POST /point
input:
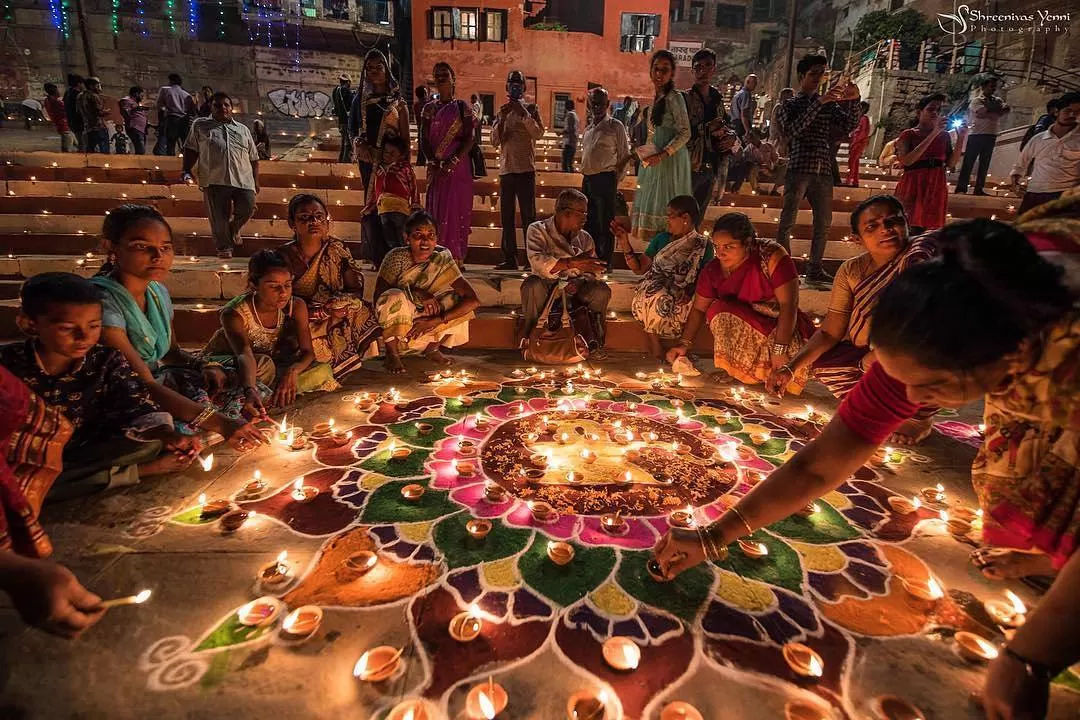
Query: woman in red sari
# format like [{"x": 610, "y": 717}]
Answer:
[
  {"x": 988, "y": 319},
  {"x": 924, "y": 151},
  {"x": 749, "y": 293},
  {"x": 32, "y": 435}
]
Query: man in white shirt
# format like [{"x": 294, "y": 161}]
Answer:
[
  {"x": 223, "y": 156},
  {"x": 985, "y": 115},
  {"x": 605, "y": 154},
  {"x": 559, "y": 248},
  {"x": 1056, "y": 153},
  {"x": 175, "y": 108}
]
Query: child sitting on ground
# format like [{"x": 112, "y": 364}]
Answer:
[
  {"x": 391, "y": 200},
  {"x": 119, "y": 431},
  {"x": 265, "y": 337}
]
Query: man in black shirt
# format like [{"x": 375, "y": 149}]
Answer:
[
  {"x": 342, "y": 100},
  {"x": 709, "y": 140},
  {"x": 71, "y": 98}
]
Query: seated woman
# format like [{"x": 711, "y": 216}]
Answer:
[
  {"x": 988, "y": 319},
  {"x": 839, "y": 351},
  {"x": 137, "y": 315},
  {"x": 421, "y": 299},
  {"x": 325, "y": 276},
  {"x": 670, "y": 266},
  {"x": 750, "y": 295},
  {"x": 264, "y": 337}
]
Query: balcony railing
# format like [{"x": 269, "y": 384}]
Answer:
[{"x": 345, "y": 11}]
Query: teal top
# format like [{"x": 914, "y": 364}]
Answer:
[
  {"x": 663, "y": 239},
  {"x": 150, "y": 333}
]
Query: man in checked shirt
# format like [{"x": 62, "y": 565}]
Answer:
[{"x": 809, "y": 119}]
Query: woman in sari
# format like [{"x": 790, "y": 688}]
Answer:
[
  {"x": 670, "y": 266},
  {"x": 446, "y": 134},
  {"x": 326, "y": 277},
  {"x": 750, "y": 296},
  {"x": 378, "y": 111},
  {"x": 265, "y": 338},
  {"x": 665, "y": 171},
  {"x": 987, "y": 319},
  {"x": 421, "y": 299},
  {"x": 137, "y": 316},
  {"x": 839, "y": 351}
]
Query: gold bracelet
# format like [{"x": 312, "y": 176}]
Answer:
[
  {"x": 738, "y": 514},
  {"x": 201, "y": 417}
]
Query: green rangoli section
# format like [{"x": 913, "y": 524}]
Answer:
[
  {"x": 683, "y": 597},
  {"x": 781, "y": 567},
  {"x": 383, "y": 464},
  {"x": 824, "y": 527},
  {"x": 568, "y": 583},
  {"x": 192, "y": 516},
  {"x": 387, "y": 506},
  {"x": 232, "y": 632},
  {"x": 509, "y": 395},
  {"x": 462, "y": 550},
  {"x": 408, "y": 432}
]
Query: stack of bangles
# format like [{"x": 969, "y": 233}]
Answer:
[
  {"x": 202, "y": 417},
  {"x": 712, "y": 541}
]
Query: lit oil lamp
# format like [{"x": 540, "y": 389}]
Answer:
[
  {"x": 296, "y": 439},
  {"x": 466, "y": 626},
  {"x": 973, "y": 648},
  {"x": 414, "y": 709},
  {"x": 682, "y": 518},
  {"x": 752, "y": 549},
  {"x": 541, "y": 511},
  {"x": 423, "y": 428},
  {"x": 466, "y": 448},
  {"x": 256, "y": 485},
  {"x": 929, "y": 589},
  {"x": 613, "y": 523},
  {"x": 259, "y": 612},
  {"x": 890, "y": 707},
  {"x": 803, "y": 660},
  {"x": 621, "y": 653},
  {"x": 572, "y": 478},
  {"x": 302, "y": 623},
  {"x": 935, "y": 495},
  {"x": 360, "y": 562},
  {"x": 956, "y": 526},
  {"x": 588, "y": 456},
  {"x": 323, "y": 428},
  {"x": 902, "y": 505},
  {"x": 615, "y": 392},
  {"x": 587, "y": 705},
  {"x": 680, "y": 710},
  {"x": 494, "y": 493},
  {"x": 478, "y": 528},
  {"x": 463, "y": 468},
  {"x": 486, "y": 700},
  {"x": 283, "y": 429},
  {"x": 632, "y": 407},
  {"x": 465, "y": 400},
  {"x": 214, "y": 508},
  {"x": 340, "y": 438},
  {"x": 479, "y": 421},
  {"x": 303, "y": 493},
  {"x": 560, "y": 553},
  {"x": 231, "y": 521},
  {"x": 412, "y": 492},
  {"x": 680, "y": 448},
  {"x": 378, "y": 664},
  {"x": 398, "y": 453},
  {"x": 207, "y": 462},
  {"x": 760, "y": 437},
  {"x": 626, "y": 477},
  {"x": 278, "y": 571},
  {"x": 1009, "y": 613},
  {"x": 539, "y": 460}
]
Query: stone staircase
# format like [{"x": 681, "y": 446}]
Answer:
[{"x": 53, "y": 205}]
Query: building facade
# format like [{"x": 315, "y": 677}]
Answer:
[
  {"x": 745, "y": 34},
  {"x": 564, "y": 47}
]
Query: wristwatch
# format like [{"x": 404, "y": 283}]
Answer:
[{"x": 1034, "y": 669}]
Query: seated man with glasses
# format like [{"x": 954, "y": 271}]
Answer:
[{"x": 559, "y": 248}]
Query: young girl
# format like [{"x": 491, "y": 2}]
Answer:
[
  {"x": 137, "y": 315},
  {"x": 265, "y": 337},
  {"x": 393, "y": 196},
  {"x": 262, "y": 139}
]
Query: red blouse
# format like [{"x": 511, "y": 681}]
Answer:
[
  {"x": 748, "y": 284},
  {"x": 876, "y": 406}
]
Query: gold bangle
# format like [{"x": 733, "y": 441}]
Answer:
[
  {"x": 738, "y": 514},
  {"x": 201, "y": 417}
]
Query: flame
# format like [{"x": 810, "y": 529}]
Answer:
[
  {"x": 330, "y": 422},
  {"x": 617, "y": 424},
  {"x": 207, "y": 462},
  {"x": 631, "y": 655},
  {"x": 393, "y": 446},
  {"x": 282, "y": 556},
  {"x": 935, "y": 589},
  {"x": 283, "y": 427},
  {"x": 675, "y": 447},
  {"x": 940, "y": 488},
  {"x": 1018, "y": 605},
  {"x": 202, "y": 499},
  {"x": 629, "y": 435},
  {"x": 809, "y": 411},
  {"x": 979, "y": 513},
  {"x": 916, "y": 502},
  {"x": 585, "y": 453},
  {"x": 258, "y": 475},
  {"x": 728, "y": 453},
  {"x": 816, "y": 669},
  {"x": 888, "y": 452},
  {"x": 628, "y": 476},
  {"x": 298, "y": 486},
  {"x": 290, "y": 621},
  {"x": 601, "y": 697},
  {"x": 409, "y": 715},
  {"x": 453, "y": 464},
  {"x": 565, "y": 437},
  {"x": 486, "y": 706},
  {"x": 944, "y": 515},
  {"x": 762, "y": 549},
  {"x": 986, "y": 648},
  {"x": 361, "y": 665},
  {"x": 144, "y": 595}
]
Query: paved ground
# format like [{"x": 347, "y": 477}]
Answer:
[{"x": 831, "y": 580}]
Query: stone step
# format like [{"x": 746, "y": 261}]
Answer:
[{"x": 211, "y": 280}]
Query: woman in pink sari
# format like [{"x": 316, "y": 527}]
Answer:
[{"x": 446, "y": 132}]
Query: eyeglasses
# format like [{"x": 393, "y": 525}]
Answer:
[{"x": 317, "y": 217}]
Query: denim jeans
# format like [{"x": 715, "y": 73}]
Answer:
[
  {"x": 138, "y": 141},
  {"x": 817, "y": 189},
  {"x": 229, "y": 209},
  {"x": 97, "y": 141}
]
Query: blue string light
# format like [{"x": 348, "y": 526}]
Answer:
[
  {"x": 193, "y": 17},
  {"x": 58, "y": 17}
]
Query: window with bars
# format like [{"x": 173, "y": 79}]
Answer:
[
  {"x": 639, "y": 32},
  {"x": 442, "y": 24},
  {"x": 731, "y": 16}
]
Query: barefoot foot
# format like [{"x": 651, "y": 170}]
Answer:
[
  {"x": 394, "y": 365},
  {"x": 164, "y": 464},
  {"x": 1004, "y": 563},
  {"x": 438, "y": 357}
]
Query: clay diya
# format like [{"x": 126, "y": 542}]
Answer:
[
  {"x": 807, "y": 510},
  {"x": 359, "y": 563},
  {"x": 494, "y": 493},
  {"x": 680, "y": 448},
  {"x": 973, "y": 648},
  {"x": 412, "y": 492},
  {"x": 517, "y": 373},
  {"x": 625, "y": 478},
  {"x": 653, "y": 568},
  {"x": 799, "y": 710},
  {"x": 901, "y": 504},
  {"x": 760, "y": 437},
  {"x": 466, "y": 626},
  {"x": 214, "y": 508},
  {"x": 588, "y": 456},
  {"x": 480, "y": 422},
  {"x": 477, "y": 528},
  {"x": 378, "y": 664},
  {"x": 298, "y": 442},
  {"x": 466, "y": 448},
  {"x": 486, "y": 701},
  {"x": 340, "y": 438},
  {"x": 533, "y": 474},
  {"x": 803, "y": 660},
  {"x": 1009, "y": 613},
  {"x": 890, "y": 707},
  {"x": 323, "y": 428},
  {"x": 752, "y": 549},
  {"x": 681, "y": 518},
  {"x": 632, "y": 407},
  {"x": 560, "y": 553},
  {"x": 398, "y": 453},
  {"x": 541, "y": 511},
  {"x": 621, "y": 653},
  {"x": 516, "y": 409},
  {"x": 411, "y": 710},
  {"x": 521, "y": 390},
  {"x": 255, "y": 486},
  {"x": 963, "y": 513},
  {"x": 957, "y": 526},
  {"x": 929, "y": 589},
  {"x": 680, "y": 710},
  {"x": 587, "y": 705},
  {"x": 231, "y": 521},
  {"x": 934, "y": 494},
  {"x": 277, "y": 571},
  {"x": 303, "y": 493},
  {"x": 613, "y": 523},
  {"x": 464, "y": 468},
  {"x": 256, "y": 613},
  {"x": 465, "y": 401},
  {"x": 302, "y": 622},
  {"x": 539, "y": 460},
  {"x": 615, "y": 392}
]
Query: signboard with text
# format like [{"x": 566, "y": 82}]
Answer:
[{"x": 684, "y": 51}]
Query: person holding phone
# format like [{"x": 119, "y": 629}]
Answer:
[{"x": 925, "y": 151}]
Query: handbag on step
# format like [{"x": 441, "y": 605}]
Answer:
[{"x": 555, "y": 343}]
